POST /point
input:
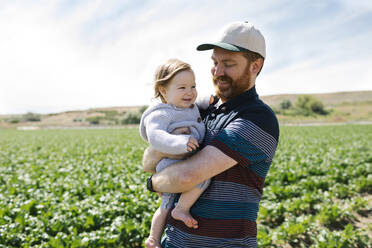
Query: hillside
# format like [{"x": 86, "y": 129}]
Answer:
[
  {"x": 329, "y": 99},
  {"x": 343, "y": 107}
]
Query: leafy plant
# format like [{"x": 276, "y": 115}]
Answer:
[{"x": 85, "y": 188}]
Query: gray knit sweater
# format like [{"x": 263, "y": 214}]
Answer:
[{"x": 160, "y": 119}]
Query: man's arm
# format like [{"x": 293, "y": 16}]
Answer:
[
  {"x": 150, "y": 159},
  {"x": 184, "y": 175}
]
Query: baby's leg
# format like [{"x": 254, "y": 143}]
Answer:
[
  {"x": 182, "y": 209},
  {"x": 157, "y": 228}
]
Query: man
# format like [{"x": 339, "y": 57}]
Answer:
[{"x": 241, "y": 139}]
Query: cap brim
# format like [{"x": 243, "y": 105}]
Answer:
[{"x": 226, "y": 46}]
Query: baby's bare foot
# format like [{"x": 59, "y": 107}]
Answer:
[
  {"x": 182, "y": 215},
  {"x": 151, "y": 242}
]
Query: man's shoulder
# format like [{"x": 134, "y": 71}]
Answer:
[{"x": 261, "y": 115}]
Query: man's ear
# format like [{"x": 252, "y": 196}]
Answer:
[{"x": 256, "y": 66}]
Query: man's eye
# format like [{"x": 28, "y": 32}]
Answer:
[
  {"x": 193, "y": 87},
  {"x": 229, "y": 65},
  {"x": 182, "y": 88}
]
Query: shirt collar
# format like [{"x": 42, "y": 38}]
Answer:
[{"x": 238, "y": 100}]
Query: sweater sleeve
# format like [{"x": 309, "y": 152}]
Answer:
[{"x": 158, "y": 136}]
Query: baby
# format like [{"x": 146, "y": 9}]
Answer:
[{"x": 176, "y": 88}]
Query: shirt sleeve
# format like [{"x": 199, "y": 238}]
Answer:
[
  {"x": 247, "y": 144},
  {"x": 158, "y": 136}
]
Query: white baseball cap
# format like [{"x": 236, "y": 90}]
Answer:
[{"x": 239, "y": 37}]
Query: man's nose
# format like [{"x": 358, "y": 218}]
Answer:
[{"x": 218, "y": 71}]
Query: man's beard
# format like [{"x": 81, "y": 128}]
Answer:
[{"x": 231, "y": 88}]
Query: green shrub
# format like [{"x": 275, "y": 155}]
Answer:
[
  {"x": 309, "y": 105},
  {"x": 14, "y": 121},
  {"x": 285, "y": 104},
  {"x": 95, "y": 120},
  {"x": 318, "y": 107},
  {"x": 74, "y": 188},
  {"x": 78, "y": 120},
  {"x": 31, "y": 117},
  {"x": 131, "y": 118}
]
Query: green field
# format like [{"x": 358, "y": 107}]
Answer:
[{"x": 85, "y": 188}]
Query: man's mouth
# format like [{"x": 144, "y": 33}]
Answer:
[
  {"x": 223, "y": 84},
  {"x": 223, "y": 81}
]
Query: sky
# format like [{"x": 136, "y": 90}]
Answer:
[{"x": 60, "y": 55}]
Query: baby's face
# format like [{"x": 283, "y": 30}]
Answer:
[{"x": 181, "y": 90}]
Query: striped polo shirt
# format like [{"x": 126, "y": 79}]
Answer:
[{"x": 247, "y": 130}]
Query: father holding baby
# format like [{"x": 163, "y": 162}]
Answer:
[{"x": 240, "y": 142}]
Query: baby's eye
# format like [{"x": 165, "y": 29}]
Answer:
[
  {"x": 193, "y": 87},
  {"x": 182, "y": 88}
]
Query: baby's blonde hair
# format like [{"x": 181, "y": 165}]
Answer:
[{"x": 165, "y": 72}]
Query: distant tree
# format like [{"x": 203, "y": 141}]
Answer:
[
  {"x": 14, "y": 121},
  {"x": 78, "y": 120},
  {"x": 285, "y": 104},
  {"x": 309, "y": 105},
  {"x": 318, "y": 108},
  {"x": 31, "y": 117},
  {"x": 131, "y": 118},
  {"x": 95, "y": 120}
]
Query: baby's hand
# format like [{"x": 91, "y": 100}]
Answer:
[{"x": 192, "y": 145}]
